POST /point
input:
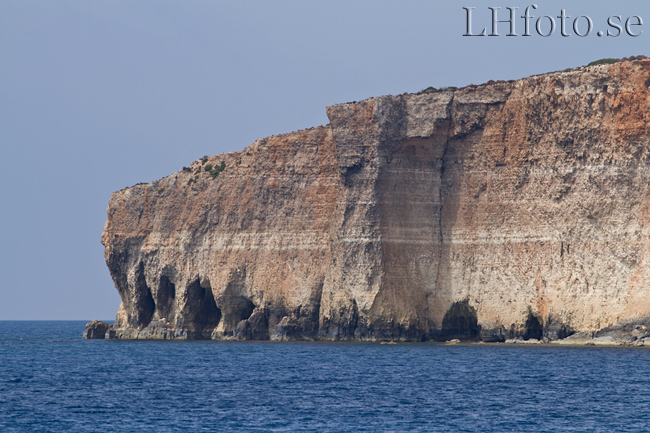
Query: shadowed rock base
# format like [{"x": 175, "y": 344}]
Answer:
[
  {"x": 464, "y": 330},
  {"x": 460, "y": 323}
]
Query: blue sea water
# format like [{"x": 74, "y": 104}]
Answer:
[{"x": 53, "y": 381}]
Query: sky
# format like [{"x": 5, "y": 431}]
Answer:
[{"x": 99, "y": 95}]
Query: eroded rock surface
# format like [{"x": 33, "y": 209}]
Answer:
[
  {"x": 96, "y": 330},
  {"x": 511, "y": 210}
]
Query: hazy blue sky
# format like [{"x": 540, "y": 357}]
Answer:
[{"x": 99, "y": 95}]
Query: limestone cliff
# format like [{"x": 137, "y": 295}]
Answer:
[{"x": 497, "y": 211}]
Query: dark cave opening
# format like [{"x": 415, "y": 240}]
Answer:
[
  {"x": 235, "y": 309},
  {"x": 460, "y": 322},
  {"x": 534, "y": 329},
  {"x": 144, "y": 303},
  {"x": 165, "y": 298},
  {"x": 200, "y": 310}
]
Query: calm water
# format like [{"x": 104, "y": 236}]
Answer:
[{"x": 53, "y": 381}]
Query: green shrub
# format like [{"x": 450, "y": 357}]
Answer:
[
  {"x": 161, "y": 190},
  {"x": 214, "y": 172},
  {"x": 208, "y": 167},
  {"x": 187, "y": 169},
  {"x": 603, "y": 62},
  {"x": 647, "y": 82},
  {"x": 442, "y": 89}
]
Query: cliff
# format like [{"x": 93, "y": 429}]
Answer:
[{"x": 513, "y": 209}]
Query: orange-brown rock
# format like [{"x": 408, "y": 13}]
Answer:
[{"x": 517, "y": 209}]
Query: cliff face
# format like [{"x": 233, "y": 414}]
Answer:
[{"x": 512, "y": 209}]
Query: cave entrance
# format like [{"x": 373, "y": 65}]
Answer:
[
  {"x": 200, "y": 310},
  {"x": 534, "y": 329},
  {"x": 165, "y": 298},
  {"x": 460, "y": 322},
  {"x": 143, "y": 301},
  {"x": 235, "y": 309}
]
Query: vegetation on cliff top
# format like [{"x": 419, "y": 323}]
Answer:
[
  {"x": 606, "y": 61},
  {"x": 214, "y": 171},
  {"x": 603, "y": 62}
]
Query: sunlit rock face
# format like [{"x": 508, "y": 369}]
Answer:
[{"x": 514, "y": 209}]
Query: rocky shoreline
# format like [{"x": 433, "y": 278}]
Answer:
[{"x": 623, "y": 335}]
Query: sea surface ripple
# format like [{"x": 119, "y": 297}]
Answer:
[{"x": 53, "y": 381}]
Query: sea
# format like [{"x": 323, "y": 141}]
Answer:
[{"x": 51, "y": 380}]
